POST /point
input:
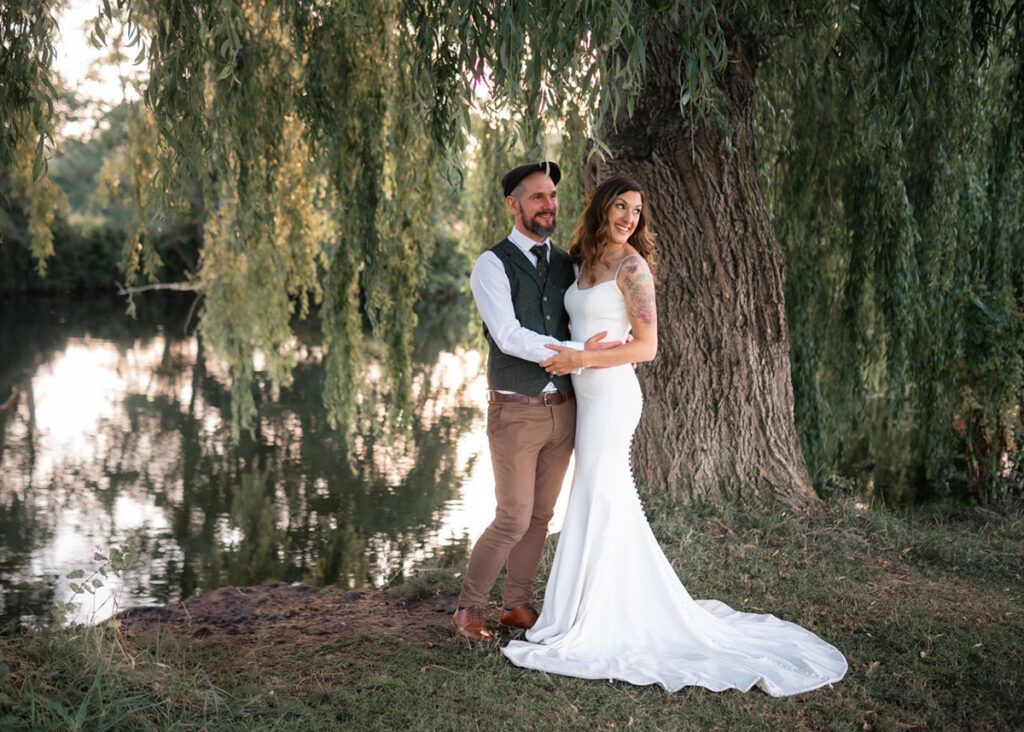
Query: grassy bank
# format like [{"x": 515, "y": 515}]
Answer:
[{"x": 928, "y": 608}]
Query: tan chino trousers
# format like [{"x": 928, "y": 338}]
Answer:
[{"x": 530, "y": 448}]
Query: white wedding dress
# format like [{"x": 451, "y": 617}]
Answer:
[{"x": 614, "y": 607}]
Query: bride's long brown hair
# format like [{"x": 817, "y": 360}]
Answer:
[{"x": 590, "y": 242}]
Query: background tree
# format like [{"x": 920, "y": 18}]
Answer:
[
  {"x": 92, "y": 208},
  {"x": 295, "y": 114}
]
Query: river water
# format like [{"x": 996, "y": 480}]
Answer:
[{"x": 119, "y": 435}]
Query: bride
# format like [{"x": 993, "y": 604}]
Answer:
[{"x": 614, "y": 607}]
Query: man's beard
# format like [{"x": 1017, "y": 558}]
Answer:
[{"x": 535, "y": 227}]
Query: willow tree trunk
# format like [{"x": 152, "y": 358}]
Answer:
[{"x": 718, "y": 399}]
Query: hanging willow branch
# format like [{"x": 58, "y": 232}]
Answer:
[
  {"x": 28, "y": 31},
  {"x": 894, "y": 175}
]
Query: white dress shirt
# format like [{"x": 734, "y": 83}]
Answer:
[{"x": 493, "y": 295}]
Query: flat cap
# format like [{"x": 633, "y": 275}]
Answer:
[{"x": 514, "y": 176}]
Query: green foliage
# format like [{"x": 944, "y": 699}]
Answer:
[
  {"x": 487, "y": 217},
  {"x": 231, "y": 68},
  {"x": 893, "y": 173},
  {"x": 33, "y": 198},
  {"x": 543, "y": 58},
  {"x": 128, "y": 175},
  {"x": 118, "y": 562},
  {"x": 91, "y": 213},
  {"x": 28, "y": 30},
  {"x": 990, "y": 374}
]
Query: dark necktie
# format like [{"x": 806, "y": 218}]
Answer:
[{"x": 541, "y": 252}]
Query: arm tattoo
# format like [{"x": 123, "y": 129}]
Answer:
[{"x": 638, "y": 287}]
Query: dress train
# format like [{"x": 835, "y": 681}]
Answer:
[{"x": 614, "y": 607}]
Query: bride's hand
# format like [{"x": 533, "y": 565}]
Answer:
[{"x": 595, "y": 343}]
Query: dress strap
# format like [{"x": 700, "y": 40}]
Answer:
[{"x": 622, "y": 262}]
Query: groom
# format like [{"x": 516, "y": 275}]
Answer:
[{"x": 518, "y": 286}]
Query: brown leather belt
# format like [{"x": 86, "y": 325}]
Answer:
[{"x": 547, "y": 398}]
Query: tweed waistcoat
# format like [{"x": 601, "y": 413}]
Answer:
[{"x": 538, "y": 310}]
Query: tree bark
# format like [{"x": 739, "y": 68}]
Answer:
[{"x": 717, "y": 422}]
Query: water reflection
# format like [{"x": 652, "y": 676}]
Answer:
[{"x": 120, "y": 431}]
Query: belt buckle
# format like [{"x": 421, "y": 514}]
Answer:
[{"x": 545, "y": 396}]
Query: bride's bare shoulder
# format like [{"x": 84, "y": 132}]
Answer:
[{"x": 631, "y": 266}]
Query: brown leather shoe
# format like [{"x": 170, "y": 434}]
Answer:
[
  {"x": 523, "y": 616},
  {"x": 469, "y": 623}
]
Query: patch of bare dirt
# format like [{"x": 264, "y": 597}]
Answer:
[{"x": 297, "y": 616}]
